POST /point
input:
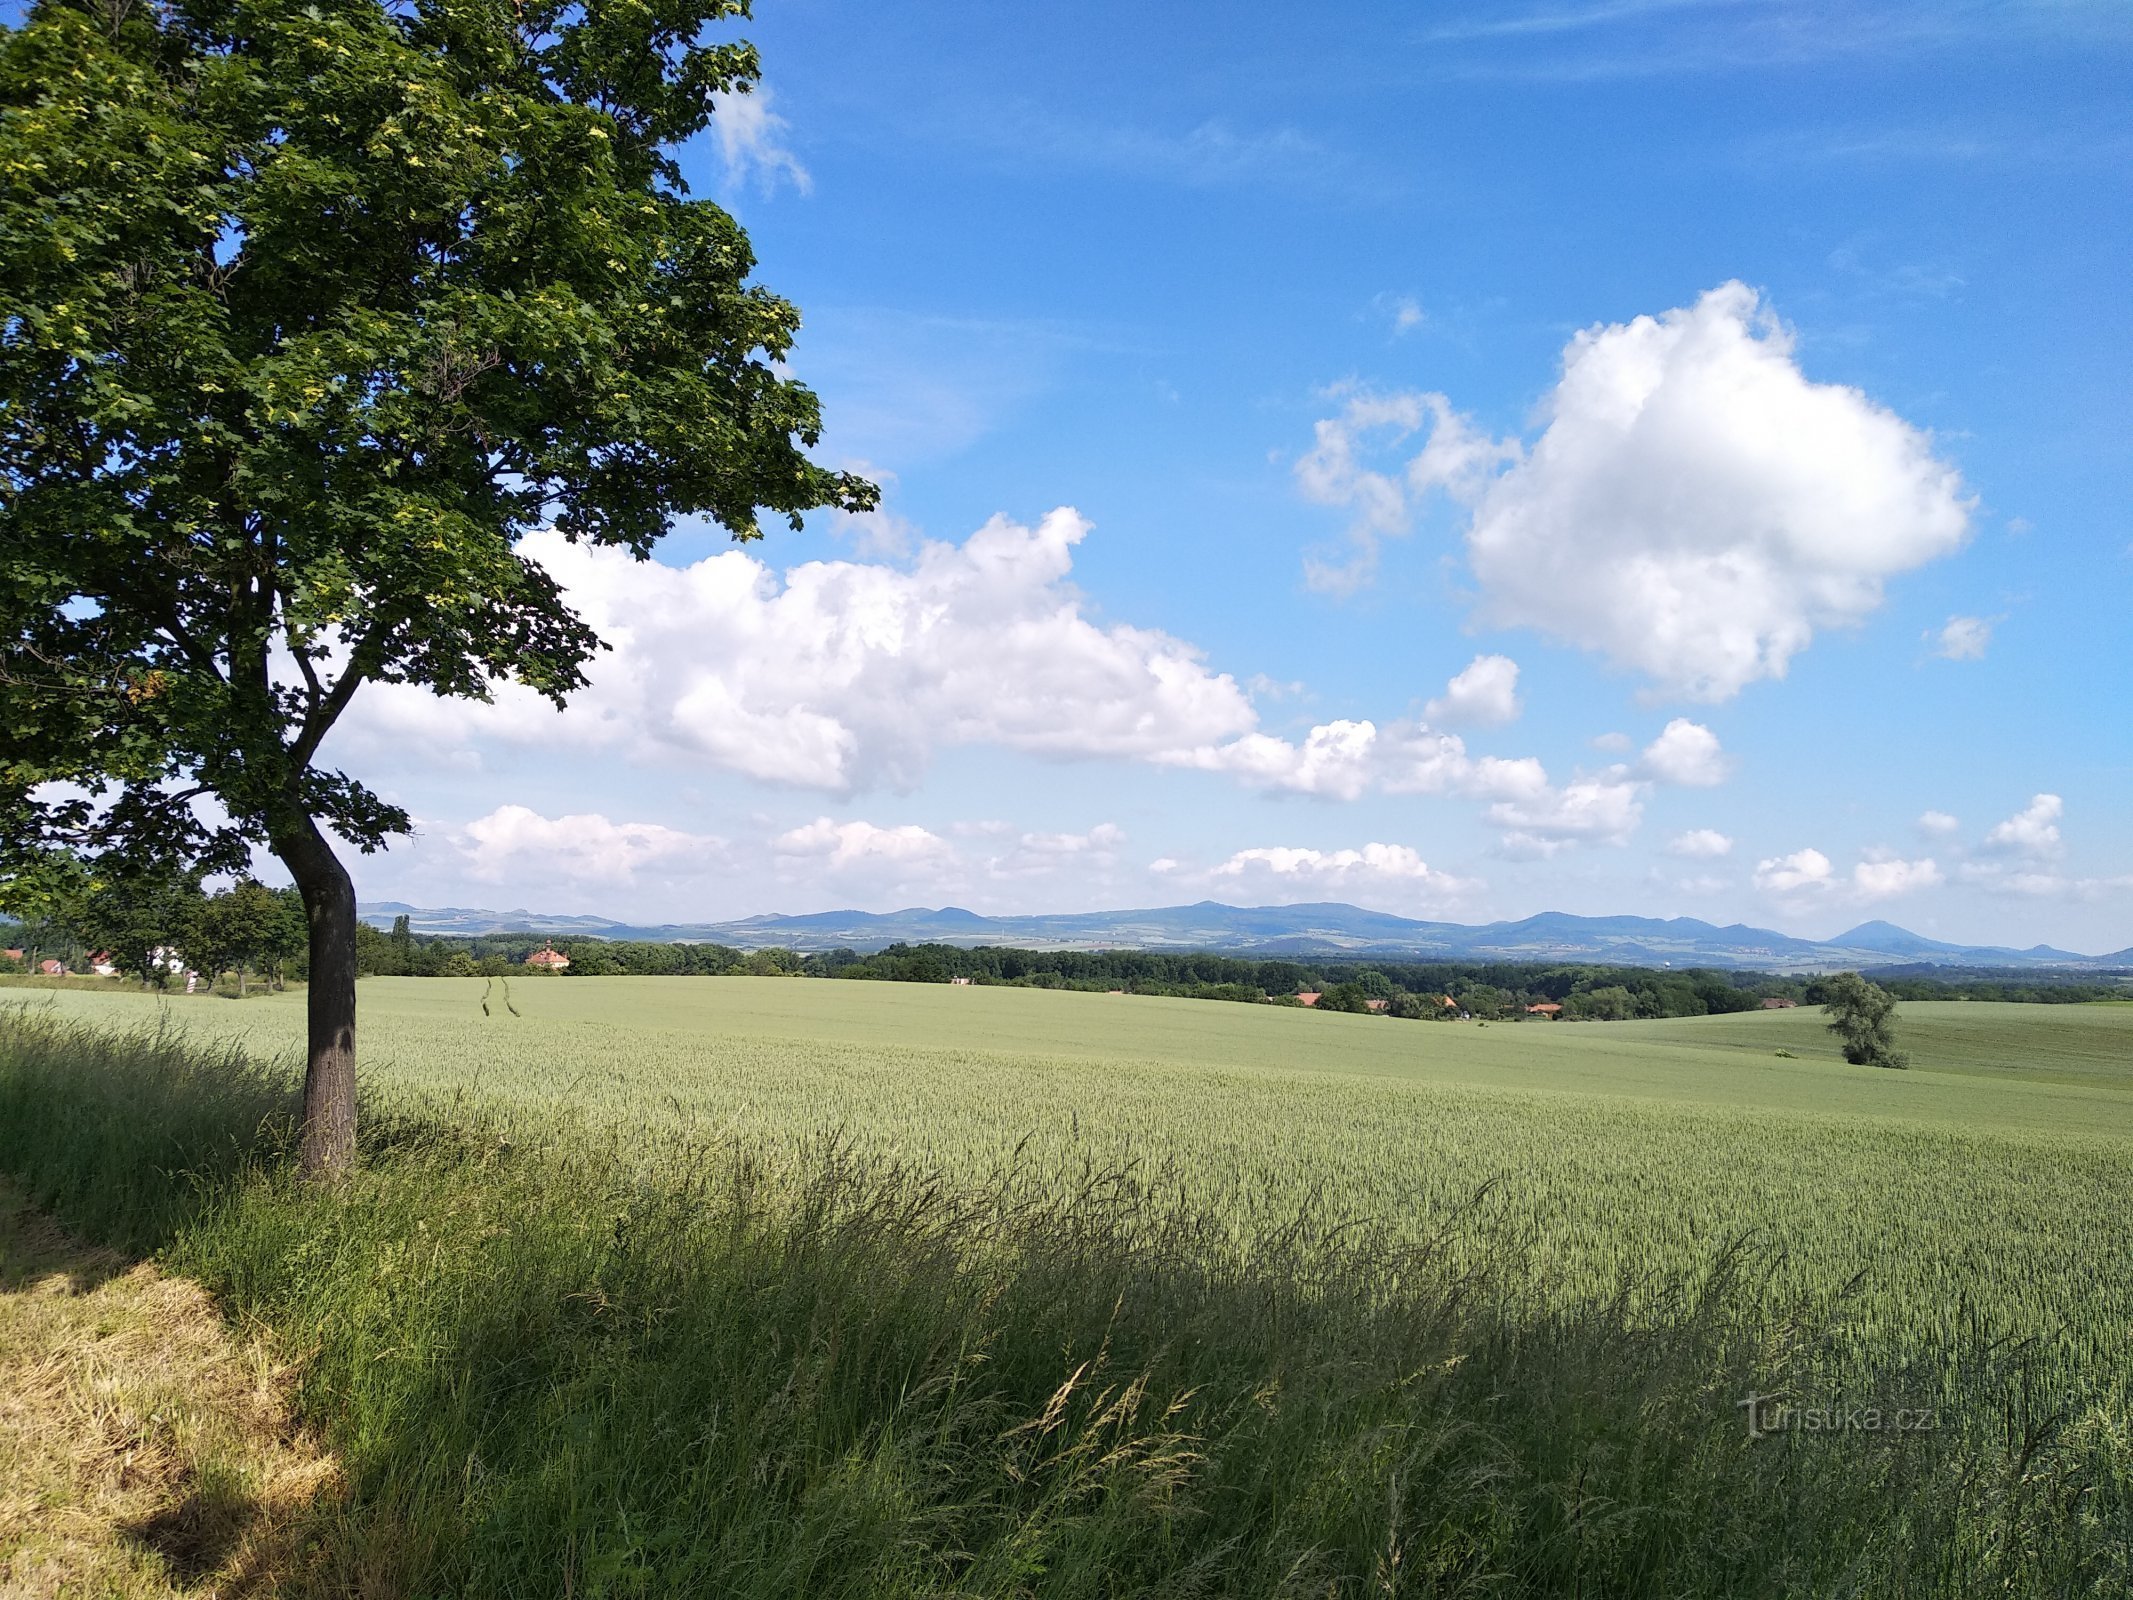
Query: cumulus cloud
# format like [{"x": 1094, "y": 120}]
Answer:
[
  {"x": 1964, "y": 639},
  {"x": 1382, "y": 869},
  {"x": 1593, "y": 810},
  {"x": 515, "y": 842},
  {"x": 1937, "y": 823},
  {"x": 1688, "y": 754},
  {"x": 751, "y": 141},
  {"x": 1484, "y": 693},
  {"x": 1884, "y": 880},
  {"x": 1809, "y": 872},
  {"x": 1703, "y": 842},
  {"x": 1457, "y": 459},
  {"x": 841, "y": 845},
  {"x": 2032, "y": 832},
  {"x": 1803, "y": 869},
  {"x": 1695, "y": 508},
  {"x": 840, "y": 675},
  {"x": 1037, "y": 854}
]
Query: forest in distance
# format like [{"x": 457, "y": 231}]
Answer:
[{"x": 1490, "y": 990}]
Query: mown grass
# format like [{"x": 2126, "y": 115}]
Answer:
[{"x": 559, "y": 1356}]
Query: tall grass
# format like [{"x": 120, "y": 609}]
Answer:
[{"x": 554, "y": 1365}]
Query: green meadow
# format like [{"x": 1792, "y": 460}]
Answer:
[{"x": 1721, "y": 1203}]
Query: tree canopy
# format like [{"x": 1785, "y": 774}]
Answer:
[
  {"x": 1862, "y": 1016},
  {"x": 314, "y": 311}
]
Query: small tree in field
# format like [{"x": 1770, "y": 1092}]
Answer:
[
  {"x": 1863, "y": 1015},
  {"x": 315, "y": 308}
]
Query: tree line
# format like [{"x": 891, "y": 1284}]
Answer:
[
  {"x": 154, "y": 926},
  {"x": 1490, "y": 991}
]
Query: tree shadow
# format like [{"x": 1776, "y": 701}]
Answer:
[
  {"x": 34, "y": 1248},
  {"x": 202, "y": 1531}
]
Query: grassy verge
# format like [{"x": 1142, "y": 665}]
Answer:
[{"x": 548, "y": 1365}]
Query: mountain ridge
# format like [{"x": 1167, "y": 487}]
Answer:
[{"x": 1314, "y": 929}]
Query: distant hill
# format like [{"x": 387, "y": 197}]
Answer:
[{"x": 1324, "y": 929}]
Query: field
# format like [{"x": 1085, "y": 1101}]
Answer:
[
  {"x": 1974, "y": 1191},
  {"x": 1950, "y": 1236}
]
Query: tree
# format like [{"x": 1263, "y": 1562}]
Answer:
[
  {"x": 315, "y": 309},
  {"x": 1862, "y": 1014},
  {"x": 141, "y": 913},
  {"x": 1610, "y": 1003},
  {"x": 239, "y": 928}
]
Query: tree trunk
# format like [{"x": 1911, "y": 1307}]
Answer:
[
  {"x": 241, "y": 978},
  {"x": 328, "y": 1149}
]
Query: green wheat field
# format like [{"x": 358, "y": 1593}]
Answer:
[
  {"x": 1985, "y": 1188},
  {"x": 1952, "y": 1236}
]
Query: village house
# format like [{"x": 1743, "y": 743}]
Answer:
[
  {"x": 102, "y": 965},
  {"x": 548, "y": 958},
  {"x": 964, "y": 982},
  {"x": 1778, "y": 1003},
  {"x": 1309, "y": 997},
  {"x": 1546, "y": 1008}
]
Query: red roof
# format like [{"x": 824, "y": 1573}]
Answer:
[
  {"x": 1546, "y": 1008},
  {"x": 1308, "y": 997}
]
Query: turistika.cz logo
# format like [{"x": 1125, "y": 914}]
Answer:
[{"x": 1768, "y": 1414}]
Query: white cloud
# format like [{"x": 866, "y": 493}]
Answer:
[
  {"x": 841, "y": 845},
  {"x": 1694, "y": 510},
  {"x": 1485, "y": 693},
  {"x": 2039, "y": 884},
  {"x": 514, "y": 842},
  {"x": 1406, "y": 315},
  {"x": 2032, "y": 832},
  {"x": 1937, "y": 823},
  {"x": 1802, "y": 870},
  {"x": 839, "y": 675},
  {"x": 1700, "y": 842},
  {"x": 1612, "y": 741},
  {"x": 1457, "y": 458},
  {"x": 1381, "y": 869},
  {"x": 1036, "y": 854},
  {"x": 1697, "y": 507},
  {"x": 1686, "y": 753},
  {"x": 1592, "y": 810},
  {"x": 751, "y": 141},
  {"x": 1884, "y": 880},
  {"x": 1879, "y": 877},
  {"x": 1964, "y": 639}
]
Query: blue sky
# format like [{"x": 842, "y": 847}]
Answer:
[{"x": 1731, "y": 397}]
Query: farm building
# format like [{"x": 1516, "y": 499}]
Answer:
[
  {"x": 1776, "y": 1003},
  {"x": 1308, "y": 997},
  {"x": 1546, "y": 1008},
  {"x": 548, "y": 958}
]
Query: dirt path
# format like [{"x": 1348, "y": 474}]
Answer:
[{"x": 145, "y": 1450}]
